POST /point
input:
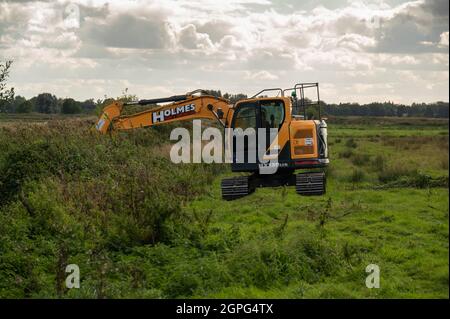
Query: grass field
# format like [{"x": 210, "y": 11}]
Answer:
[{"x": 141, "y": 226}]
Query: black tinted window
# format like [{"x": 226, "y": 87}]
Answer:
[
  {"x": 272, "y": 114},
  {"x": 245, "y": 116}
]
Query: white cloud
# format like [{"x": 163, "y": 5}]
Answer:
[
  {"x": 444, "y": 39},
  {"x": 235, "y": 46},
  {"x": 189, "y": 38},
  {"x": 261, "y": 75}
]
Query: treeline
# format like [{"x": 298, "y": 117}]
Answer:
[
  {"x": 233, "y": 98},
  {"x": 436, "y": 110},
  {"x": 48, "y": 103}
]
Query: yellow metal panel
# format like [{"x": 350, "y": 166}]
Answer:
[{"x": 303, "y": 140}]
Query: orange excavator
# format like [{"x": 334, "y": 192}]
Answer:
[{"x": 300, "y": 144}]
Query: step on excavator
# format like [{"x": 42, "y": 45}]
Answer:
[{"x": 301, "y": 143}]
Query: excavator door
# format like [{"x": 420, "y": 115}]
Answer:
[
  {"x": 264, "y": 116},
  {"x": 245, "y": 130}
]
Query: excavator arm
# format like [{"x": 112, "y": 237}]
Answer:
[{"x": 180, "y": 108}]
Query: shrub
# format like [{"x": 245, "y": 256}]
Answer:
[
  {"x": 346, "y": 153},
  {"x": 272, "y": 262},
  {"x": 107, "y": 195},
  {"x": 25, "y": 162},
  {"x": 70, "y": 106},
  {"x": 351, "y": 143},
  {"x": 394, "y": 173},
  {"x": 357, "y": 176},
  {"x": 25, "y": 107},
  {"x": 360, "y": 159},
  {"x": 379, "y": 163},
  {"x": 444, "y": 162},
  {"x": 419, "y": 180}
]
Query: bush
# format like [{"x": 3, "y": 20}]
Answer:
[
  {"x": 307, "y": 258},
  {"x": 76, "y": 195},
  {"x": 70, "y": 106},
  {"x": 418, "y": 180},
  {"x": 444, "y": 162},
  {"x": 26, "y": 162},
  {"x": 357, "y": 176},
  {"x": 346, "y": 153},
  {"x": 360, "y": 159},
  {"x": 379, "y": 163},
  {"x": 25, "y": 107},
  {"x": 394, "y": 173},
  {"x": 351, "y": 143}
]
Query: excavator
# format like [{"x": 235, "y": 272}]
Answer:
[{"x": 301, "y": 143}]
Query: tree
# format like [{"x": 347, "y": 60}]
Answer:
[
  {"x": 25, "y": 107},
  {"x": 312, "y": 113},
  {"x": 33, "y": 103},
  {"x": 6, "y": 95},
  {"x": 126, "y": 97},
  {"x": 10, "y": 106},
  {"x": 70, "y": 106},
  {"x": 233, "y": 98},
  {"x": 46, "y": 103},
  {"x": 88, "y": 106},
  {"x": 14, "y": 104},
  {"x": 214, "y": 93}
]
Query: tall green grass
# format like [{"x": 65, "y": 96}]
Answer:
[
  {"x": 140, "y": 226},
  {"x": 79, "y": 195}
]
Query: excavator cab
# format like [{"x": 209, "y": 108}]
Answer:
[
  {"x": 261, "y": 115},
  {"x": 302, "y": 138},
  {"x": 301, "y": 143}
]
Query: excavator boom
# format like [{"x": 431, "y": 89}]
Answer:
[{"x": 180, "y": 108}]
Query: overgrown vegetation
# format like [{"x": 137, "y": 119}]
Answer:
[
  {"x": 6, "y": 95},
  {"x": 140, "y": 226},
  {"x": 102, "y": 194}
]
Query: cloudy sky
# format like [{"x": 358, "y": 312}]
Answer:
[{"x": 359, "y": 51}]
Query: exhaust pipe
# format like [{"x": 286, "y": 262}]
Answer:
[{"x": 175, "y": 98}]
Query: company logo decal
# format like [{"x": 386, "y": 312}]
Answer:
[{"x": 161, "y": 116}]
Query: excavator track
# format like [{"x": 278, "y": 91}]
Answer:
[
  {"x": 309, "y": 184},
  {"x": 236, "y": 187}
]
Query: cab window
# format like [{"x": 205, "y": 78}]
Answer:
[
  {"x": 245, "y": 116},
  {"x": 272, "y": 114}
]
